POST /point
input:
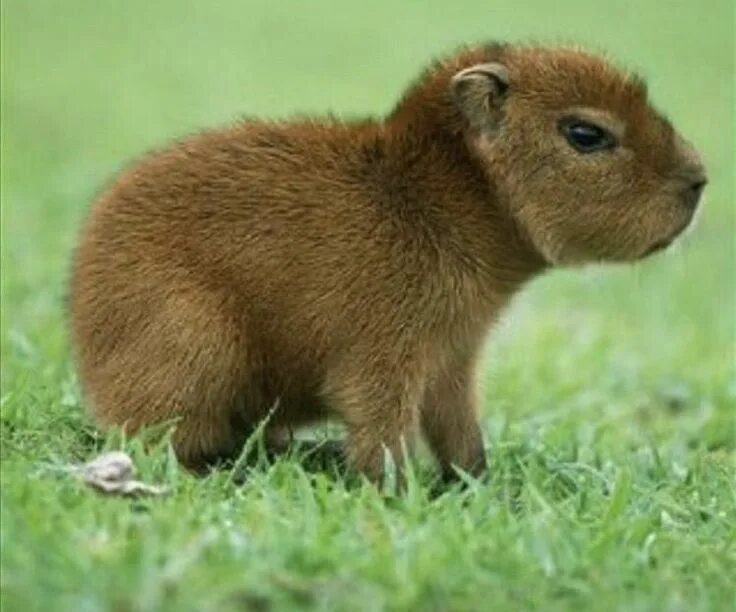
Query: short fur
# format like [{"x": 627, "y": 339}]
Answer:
[{"x": 324, "y": 268}]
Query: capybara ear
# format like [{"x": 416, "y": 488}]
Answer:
[{"x": 479, "y": 92}]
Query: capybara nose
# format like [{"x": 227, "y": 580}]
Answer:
[{"x": 694, "y": 191}]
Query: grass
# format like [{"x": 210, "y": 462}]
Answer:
[{"x": 611, "y": 392}]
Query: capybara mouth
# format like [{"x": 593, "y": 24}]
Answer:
[{"x": 660, "y": 245}]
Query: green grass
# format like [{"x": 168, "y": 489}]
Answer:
[{"x": 610, "y": 393}]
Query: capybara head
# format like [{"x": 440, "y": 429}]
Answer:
[{"x": 589, "y": 170}]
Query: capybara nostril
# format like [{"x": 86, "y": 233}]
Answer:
[{"x": 694, "y": 191}]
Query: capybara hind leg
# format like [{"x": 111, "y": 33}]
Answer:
[
  {"x": 187, "y": 367},
  {"x": 203, "y": 441}
]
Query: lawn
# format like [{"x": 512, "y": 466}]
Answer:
[{"x": 609, "y": 395}]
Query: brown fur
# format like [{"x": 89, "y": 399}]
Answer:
[{"x": 324, "y": 268}]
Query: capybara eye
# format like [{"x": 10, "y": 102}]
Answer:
[{"x": 586, "y": 137}]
